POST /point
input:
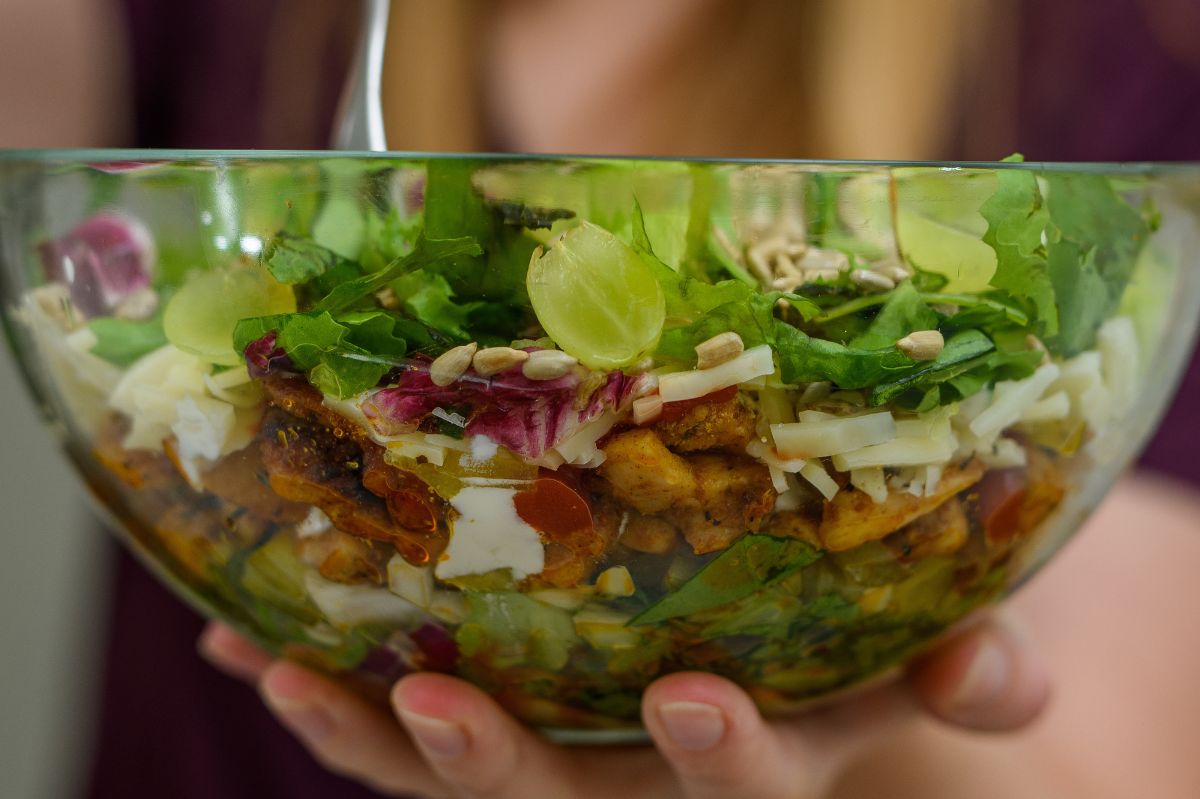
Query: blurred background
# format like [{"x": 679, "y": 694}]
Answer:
[{"x": 90, "y": 641}]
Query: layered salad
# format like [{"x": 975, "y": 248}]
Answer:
[{"x": 786, "y": 430}]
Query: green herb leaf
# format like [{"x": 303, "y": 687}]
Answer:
[
  {"x": 291, "y": 259},
  {"x": 750, "y": 563},
  {"x": 1090, "y": 262},
  {"x": 122, "y": 341},
  {"x": 428, "y": 252},
  {"x": 429, "y": 299},
  {"x": 1017, "y": 217}
]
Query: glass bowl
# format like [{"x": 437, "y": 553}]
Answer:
[{"x": 562, "y": 425}]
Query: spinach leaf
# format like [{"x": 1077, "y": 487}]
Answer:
[
  {"x": 904, "y": 312},
  {"x": 752, "y": 562},
  {"x": 958, "y": 351},
  {"x": 429, "y": 299}
]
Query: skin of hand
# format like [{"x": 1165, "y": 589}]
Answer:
[{"x": 447, "y": 738}]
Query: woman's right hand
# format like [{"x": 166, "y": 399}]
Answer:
[{"x": 447, "y": 738}]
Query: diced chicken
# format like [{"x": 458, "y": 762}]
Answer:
[
  {"x": 942, "y": 531},
  {"x": 343, "y": 558},
  {"x": 136, "y": 468},
  {"x": 308, "y": 463},
  {"x": 852, "y": 517},
  {"x": 1046, "y": 489},
  {"x": 649, "y": 534},
  {"x": 572, "y": 556},
  {"x": 192, "y": 538},
  {"x": 241, "y": 479},
  {"x": 734, "y": 493},
  {"x": 646, "y": 475},
  {"x": 794, "y": 524},
  {"x": 725, "y": 425}
]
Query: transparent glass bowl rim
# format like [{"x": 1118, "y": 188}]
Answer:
[{"x": 83, "y": 157}]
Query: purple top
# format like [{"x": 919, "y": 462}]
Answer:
[{"x": 1095, "y": 85}]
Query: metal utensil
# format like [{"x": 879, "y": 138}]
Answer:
[{"x": 359, "y": 123}]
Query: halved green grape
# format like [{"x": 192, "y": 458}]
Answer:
[
  {"x": 201, "y": 316},
  {"x": 597, "y": 298}
]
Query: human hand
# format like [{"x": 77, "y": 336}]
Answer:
[{"x": 450, "y": 739}]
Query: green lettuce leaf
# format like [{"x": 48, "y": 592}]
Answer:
[
  {"x": 123, "y": 341},
  {"x": 508, "y": 629},
  {"x": 749, "y": 564}
]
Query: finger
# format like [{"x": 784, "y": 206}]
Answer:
[
  {"x": 719, "y": 746},
  {"x": 477, "y": 748},
  {"x": 231, "y": 653},
  {"x": 984, "y": 679},
  {"x": 345, "y": 733}
]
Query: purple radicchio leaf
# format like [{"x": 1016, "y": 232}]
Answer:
[
  {"x": 528, "y": 417},
  {"x": 103, "y": 260}
]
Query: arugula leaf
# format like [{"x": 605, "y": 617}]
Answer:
[
  {"x": 752, "y": 562},
  {"x": 123, "y": 341},
  {"x": 427, "y": 253},
  {"x": 292, "y": 259},
  {"x": 1017, "y": 217}
]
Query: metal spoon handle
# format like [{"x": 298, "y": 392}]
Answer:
[{"x": 359, "y": 124}]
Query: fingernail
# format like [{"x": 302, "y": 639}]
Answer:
[
  {"x": 304, "y": 719},
  {"x": 438, "y": 738},
  {"x": 986, "y": 678},
  {"x": 692, "y": 725}
]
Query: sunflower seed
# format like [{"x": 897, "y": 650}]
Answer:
[
  {"x": 494, "y": 360},
  {"x": 547, "y": 364},
  {"x": 718, "y": 349},
  {"x": 922, "y": 345},
  {"x": 871, "y": 281},
  {"x": 451, "y": 364}
]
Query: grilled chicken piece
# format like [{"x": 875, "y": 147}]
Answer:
[
  {"x": 733, "y": 494},
  {"x": 645, "y": 475},
  {"x": 295, "y": 396},
  {"x": 241, "y": 480},
  {"x": 852, "y": 518},
  {"x": 942, "y": 531},
  {"x": 344, "y": 558},
  {"x": 794, "y": 524},
  {"x": 649, "y": 534},
  {"x": 136, "y": 468},
  {"x": 727, "y": 425}
]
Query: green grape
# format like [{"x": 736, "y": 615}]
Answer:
[
  {"x": 597, "y": 298},
  {"x": 200, "y": 317}
]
